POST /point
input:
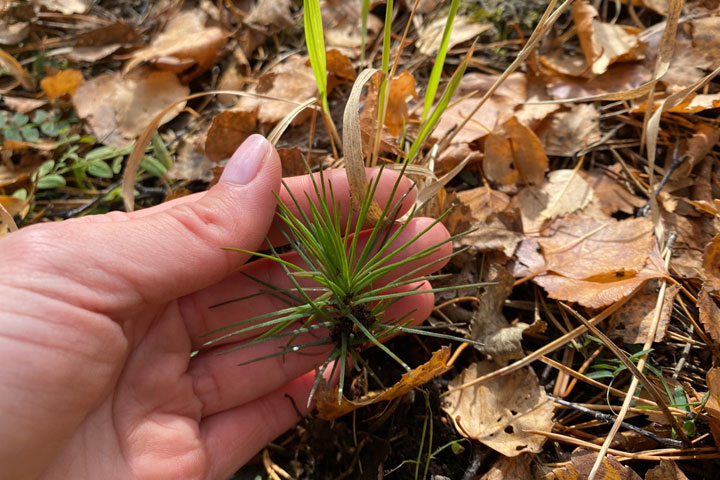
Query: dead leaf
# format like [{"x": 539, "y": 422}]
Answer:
[
  {"x": 190, "y": 162},
  {"x": 602, "y": 43},
  {"x": 528, "y": 259},
  {"x": 228, "y": 131},
  {"x": 186, "y": 45},
  {"x": 396, "y": 113},
  {"x": 13, "y": 205},
  {"x": 118, "y": 108},
  {"x": 292, "y": 80},
  {"x": 610, "y": 194},
  {"x": 598, "y": 294},
  {"x": 271, "y": 13},
  {"x": 342, "y": 26},
  {"x": 514, "y": 156},
  {"x": 586, "y": 248},
  {"x": 116, "y": 33},
  {"x": 582, "y": 463},
  {"x": 713, "y": 403},
  {"x": 64, "y": 82},
  {"x": 499, "y": 231},
  {"x": 570, "y": 131},
  {"x": 696, "y": 148},
  {"x": 464, "y": 29},
  {"x": 483, "y": 201},
  {"x": 12, "y": 33},
  {"x": 340, "y": 69},
  {"x": 499, "y": 339},
  {"x": 293, "y": 162},
  {"x": 665, "y": 470},
  {"x": 515, "y": 468},
  {"x": 495, "y": 112},
  {"x": 632, "y": 322},
  {"x": 709, "y": 315},
  {"x": 22, "y": 104},
  {"x": 562, "y": 193},
  {"x": 68, "y": 7},
  {"x": 619, "y": 78},
  {"x": 327, "y": 399},
  {"x": 711, "y": 264},
  {"x": 497, "y": 412},
  {"x": 532, "y": 114}
]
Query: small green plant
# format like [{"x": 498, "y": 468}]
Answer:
[
  {"x": 23, "y": 128},
  {"x": 345, "y": 299}
]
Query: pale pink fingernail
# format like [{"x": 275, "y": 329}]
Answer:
[{"x": 245, "y": 163}]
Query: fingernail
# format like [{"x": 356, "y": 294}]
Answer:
[{"x": 245, "y": 163}]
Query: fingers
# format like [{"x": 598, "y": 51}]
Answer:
[
  {"x": 301, "y": 188},
  {"x": 200, "y": 318},
  {"x": 234, "y": 436},
  {"x": 118, "y": 266},
  {"x": 221, "y": 384}
]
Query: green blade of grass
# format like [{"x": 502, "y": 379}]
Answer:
[
  {"x": 316, "y": 47},
  {"x": 437, "y": 69}
]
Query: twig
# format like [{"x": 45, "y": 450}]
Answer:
[{"x": 604, "y": 417}]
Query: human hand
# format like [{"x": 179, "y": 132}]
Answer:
[{"x": 101, "y": 314}]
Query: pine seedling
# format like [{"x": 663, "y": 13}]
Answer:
[{"x": 343, "y": 268}]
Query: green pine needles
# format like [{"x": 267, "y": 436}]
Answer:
[{"x": 345, "y": 307}]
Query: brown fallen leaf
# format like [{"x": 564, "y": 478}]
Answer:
[
  {"x": 568, "y": 132},
  {"x": 514, "y": 155},
  {"x": 64, "y": 82},
  {"x": 499, "y": 339},
  {"x": 709, "y": 315},
  {"x": 22, "y": 104},
  {"x": 598, "y": 294},
  {"x": 227, "y": 132},
  {"x": 187, "y": 45},
  {"x": 327, "y": 398},
  {"x": 497, "y": 412},
  {"x": 118, "y": 108},
  {"x": 528, "y": 259},
  {"x": 610, "y": 192},
  {"x": 342, "y": 23},
  {"x": 13, "y": 205},
  {"x": 483, "y": 201},
  {"x": 603, "y": 43},
  {"x": 586, "y": 248},
  {"x": 665, "y": 470},
  {"x": 562, "y": 193},
  {"x": 495, "y": 112},
  {"x": 632, "y": 322},
  {"x": 693, "y": 235},
  {"x": 100, "y": 42},
  {"x": 396, "y": 114},
  {"x": 190, "y": 161},
  {"x": 464, "y": 29},
  {"x": 711, "y": 264},
  {"x": 620, "y": 77},
  {"x": 515, "y": 468},
  {"x": 582, "y": 463},
  {"x": 271, "y": 14},
  {"x": 292, "y": 80},
  {"x": 713, "y": 403},
  {"x": 340, "y": 69}
]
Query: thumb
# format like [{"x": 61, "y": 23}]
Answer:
[{"x": 162, "y": 256}]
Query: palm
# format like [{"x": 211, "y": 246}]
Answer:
[{"x": 95, "y": 347}]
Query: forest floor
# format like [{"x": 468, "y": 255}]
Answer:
[{"x": 588, "y": 169}]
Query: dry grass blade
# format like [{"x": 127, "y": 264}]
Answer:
[
  {"x": 662, "y": 64},
  {"x": 17, "y": 71},
  {"x": 539, "y": 353},
  {"x": 133, "y": 162},
  {"x": 637, "y": 374},
  {"x": 431, "y": 190},
  {"x": 548, "y": 20},
  {"x": 280, "y": 128},
  {"x": 352, "y": 145}
]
